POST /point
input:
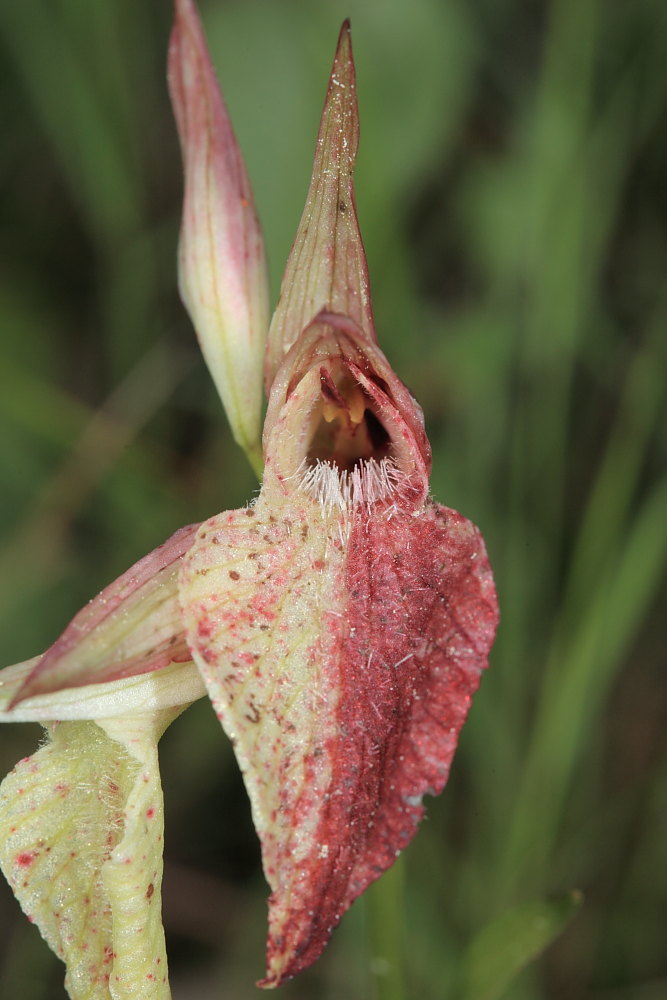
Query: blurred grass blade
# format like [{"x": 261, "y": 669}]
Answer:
[
  {"x": 502, "y": 948},
  {"x": 620, "y": 468},
  {"x": 384, "y": 906},
  {"x": 41, "y": 537},
  {"x": 101, "y": 177},
  {"x": 578, "y": 680}
]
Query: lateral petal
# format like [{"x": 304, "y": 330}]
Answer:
[
  {"x": 341, "y": 645},
  {"x": 132, "y": 627},
  {"x": 177, "y": 684}
]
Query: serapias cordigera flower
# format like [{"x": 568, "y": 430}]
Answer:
[{"x": 339, "y": 623}]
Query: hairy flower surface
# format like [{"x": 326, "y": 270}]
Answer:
[{"x": 339, "y": 624}]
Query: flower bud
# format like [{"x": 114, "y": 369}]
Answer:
[{"x": 222, "y": 267}]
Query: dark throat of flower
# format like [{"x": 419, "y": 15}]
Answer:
[
  {"x": 340, "y": 423},
  {"x": 351, "y": 456},
  {"x": 346, "y": 432}
]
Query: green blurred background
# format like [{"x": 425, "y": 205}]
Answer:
[{"x": 511, "y": 188}]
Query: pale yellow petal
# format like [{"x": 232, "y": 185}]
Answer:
[
  {"x": 132, "y": 876},
  {"x": 81, "y": 833}
]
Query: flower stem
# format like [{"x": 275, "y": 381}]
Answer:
[
  {"x": 255, "y": 457},
  {"x": 384, "y": 912}
]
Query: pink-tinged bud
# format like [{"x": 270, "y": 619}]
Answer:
[
  {"x": 222, "y": 268},
  {"x": 132, "y": 627},
  {"x": 327, "y": 267},
  {"x": 341, "y": 623}
]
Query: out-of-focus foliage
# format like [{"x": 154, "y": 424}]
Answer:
[{"x": 511, "y": 192}]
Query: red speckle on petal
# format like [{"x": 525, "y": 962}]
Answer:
[
  {"x": 150, "y": 813},
  {"x": 150, "y": 890},
  {"x": 205, "y": 628},
  {"x": 26, "y": 859}
]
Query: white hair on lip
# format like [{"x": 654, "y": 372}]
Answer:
[{"x": 369, "y": 481}]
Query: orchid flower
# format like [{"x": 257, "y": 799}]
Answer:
[{"x": 339, "y": 624}]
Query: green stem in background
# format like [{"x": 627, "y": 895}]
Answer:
[{"x": 384, "y": 912}]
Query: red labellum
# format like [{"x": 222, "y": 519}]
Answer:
[
  {"x": 341, "y": 658},
  {"x": 418, "y": 625}
]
